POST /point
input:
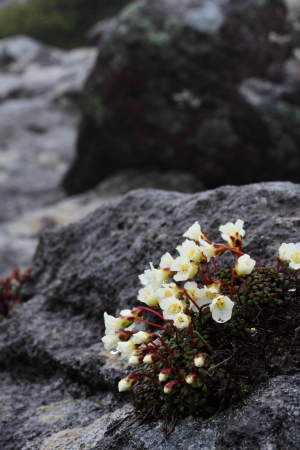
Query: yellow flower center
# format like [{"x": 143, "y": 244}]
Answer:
[
  {"x": 180, "y": 319},
  {"x": 168, "y": 293},
  {"x": 174, "y": 308},
  {"x": 220, "y": 304},
  {"x": 185, "y": 267},
  {"x": 191, "y": 254},
  {"x": 296, "y": 257},
  {"x": 147, "y": 295},
  {"x": 210, "y": 294}
]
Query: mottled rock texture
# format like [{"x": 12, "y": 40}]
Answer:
[
  {"x": 60, "y": 384},
  {"x": 19, "y": 237},
  {"x": 209, "y": 86}
]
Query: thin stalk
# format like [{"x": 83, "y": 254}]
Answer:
[
  {"x": 150, "y": 378},
  {"x": 215, "y": 264},
  {"x": 231, "y": 286},
  {"x": 154, "y": 325},
  {"x": 164, "y": 344},
  {"x": 205, "y": 280},
  {"x": 208, "y": 272},
  {"x": 190, "y": 298},
  {"x": 154, "y": 312}
]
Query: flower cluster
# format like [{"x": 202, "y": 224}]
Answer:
[{"x": 201, "y": 315}]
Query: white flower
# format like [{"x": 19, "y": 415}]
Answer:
[
  {"x": 290, "y": 253},
  {"x": 166, "y": 261},
  {"x": 142, "y": 337},
  {"x": 201, "y": 296},
  {"x": 168, "y": 290},
  {"x": 182, "y": 321},
  {"x": 233, "y": 233},
  {"x": 190, "y": 250},
  {"x": 194, "y": 232},
  {"x": 221, "y": 308},
  {"x": 150, "y": 359},
  {"x": 117, "y": 323},
  {"x": 155, "y": 277},
  {"x": 111, "y": 341},
  {"x": 125, "y": 384},
  {"x": 126, "y": 348},
  {"x": 209, "y": 250},
  {"x": 244, "y": 266},
  {"x": 172, "y": 306},
  {"x": 184, "y": 268},
  {"x": 147, "y": 295}
]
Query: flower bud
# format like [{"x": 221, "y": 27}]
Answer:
[
  {"x": 142, "y": 337},
  {"x": 170, "y": 387},
  {"x": 199, "y": 360},
  {"x": 138, "y": 312},
  {"x": 150, "y": 359},
  {"x": 191, "y": 378},
  {"x": 125, "y": 384},
  {"x": 253, "y": 330},
  {"x": 135, "y": 360},
  {"x": 164, "y": 374},
  {"x": 124, "y": 335}
]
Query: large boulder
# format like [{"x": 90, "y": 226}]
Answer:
[
  {"x": 209, "y": 86},
  {"x": 59, "y": 384}
]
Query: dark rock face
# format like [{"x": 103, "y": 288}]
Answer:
[
  {"x": 60, "y": 384},
  {"x": 205, "y": 86}
]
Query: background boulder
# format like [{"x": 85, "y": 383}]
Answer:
[
  {"x": 207, "y": 86},
  {"x": 60, "y": 384}
]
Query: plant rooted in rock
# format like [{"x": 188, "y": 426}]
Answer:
[
  {"x": 220, "y": 333},
  {"x": 10, "y": 291}
]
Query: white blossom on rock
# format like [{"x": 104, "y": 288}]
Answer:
[
  {"x": 172, "y": 306},
  {"x": 168, "y": 290},
  {"x": 147, "y": 295},
  {"x": 190, "y": 250},
  {"x": 184, "y": 267},
  {"x": 182, "y": 320},
  {"x": 221, "y": 308},
  {"x": 166, "y": 261},
  {"x": 126, "y": 348},
  {"x": 233, "y": 233},
  {"x": 117, "y": 323},
  {"x": 153, "y": 276},
  {"x": 204, "y": 296},
  {"x": 194, "y": 232},
  {"x": 244, "y": 266},
  {"x": 290, "y": 253},
  {"x": 111, "y": 341},
  {"x": 125, "y": 384}
]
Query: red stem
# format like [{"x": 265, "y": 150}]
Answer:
[
  {"x": 164, "y": 344},
  {"x": 154, "y": 325},
  {"x": 205, "y": 280},
  {"x": 208, "y": 273},
  {"x": 154, "y": 312},
  {"x": 233, "y": 250},
  {"x": 193, "y": 301},
  {"x": 215, "y": 264},
  {"x": 150, "y": 378}
]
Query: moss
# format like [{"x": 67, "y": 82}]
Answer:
[
  {"x": 159, "y": 39},
  {"x": 131, "y": 9},
  {"x": 62, "y": 23}
]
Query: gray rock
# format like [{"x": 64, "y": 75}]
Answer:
[
  {"x": 39, "y": 88},
  {"x": 206, "y": 86},
  {"x": 19, "y": 237},
  {"x": 54, "y": 365}
]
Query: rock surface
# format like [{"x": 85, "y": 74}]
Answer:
[
  {"x": 59, "y": 383},
  {"x": 39, "y": 88},
  {"x": 19, "y": 237},
  {"x": 208, "y": 86}
]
